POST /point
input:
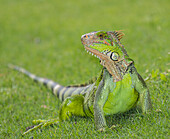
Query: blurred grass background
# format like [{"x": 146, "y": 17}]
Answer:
[{"x": 44, "y": 37}]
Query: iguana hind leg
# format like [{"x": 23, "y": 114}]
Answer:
[
  {"x": 40, "y": 124},
  {"x": 70, "y": 106}
]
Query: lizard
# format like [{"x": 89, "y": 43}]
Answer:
[{"x": 117, "y": 89}]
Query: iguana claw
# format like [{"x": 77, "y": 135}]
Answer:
[{"x": 41, "y": 124}]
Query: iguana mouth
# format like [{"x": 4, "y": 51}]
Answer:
[
  {"x": 116, "y": 68},
  {"x": 95, "y": 53}
]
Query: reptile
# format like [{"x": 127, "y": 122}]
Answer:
[{"x": 117, "y": 89}]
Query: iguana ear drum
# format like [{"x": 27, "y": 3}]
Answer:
[{"x": 113, "y": 55}]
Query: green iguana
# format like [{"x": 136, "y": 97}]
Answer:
[{"x": 117, "y": 89}]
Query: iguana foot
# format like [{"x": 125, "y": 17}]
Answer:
[
  {"x": 113, "y": 127},
  {"x": 102, "y": 129},
  {"x": 40, "y": 124}
]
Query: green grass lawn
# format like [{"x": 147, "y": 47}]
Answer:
[{"x": 44, "y": 38}]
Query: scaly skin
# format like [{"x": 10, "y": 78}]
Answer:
[
  {"x": 118, "y": 88},
  {"x": 121, "y": 87}
]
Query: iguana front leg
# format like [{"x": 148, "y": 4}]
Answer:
[
  {"x": 99, "y": 101},
  {"x": 144, "y": 97}
]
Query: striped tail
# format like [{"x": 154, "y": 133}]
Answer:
[{"x": 60, "y": 91}]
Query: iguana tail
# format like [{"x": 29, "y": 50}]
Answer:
[{"x": 60, "y": 91}]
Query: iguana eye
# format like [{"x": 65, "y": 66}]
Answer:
[
  {"x": 101, "y": 35},
  {"x": 114, "y": 56}
]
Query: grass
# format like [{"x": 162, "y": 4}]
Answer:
[{"x": 44, "y": 37}]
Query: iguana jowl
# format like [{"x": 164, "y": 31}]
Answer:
[{"x": 118, "y": 88}]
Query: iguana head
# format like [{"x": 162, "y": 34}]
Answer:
[{"x": 107, "y": 47}]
